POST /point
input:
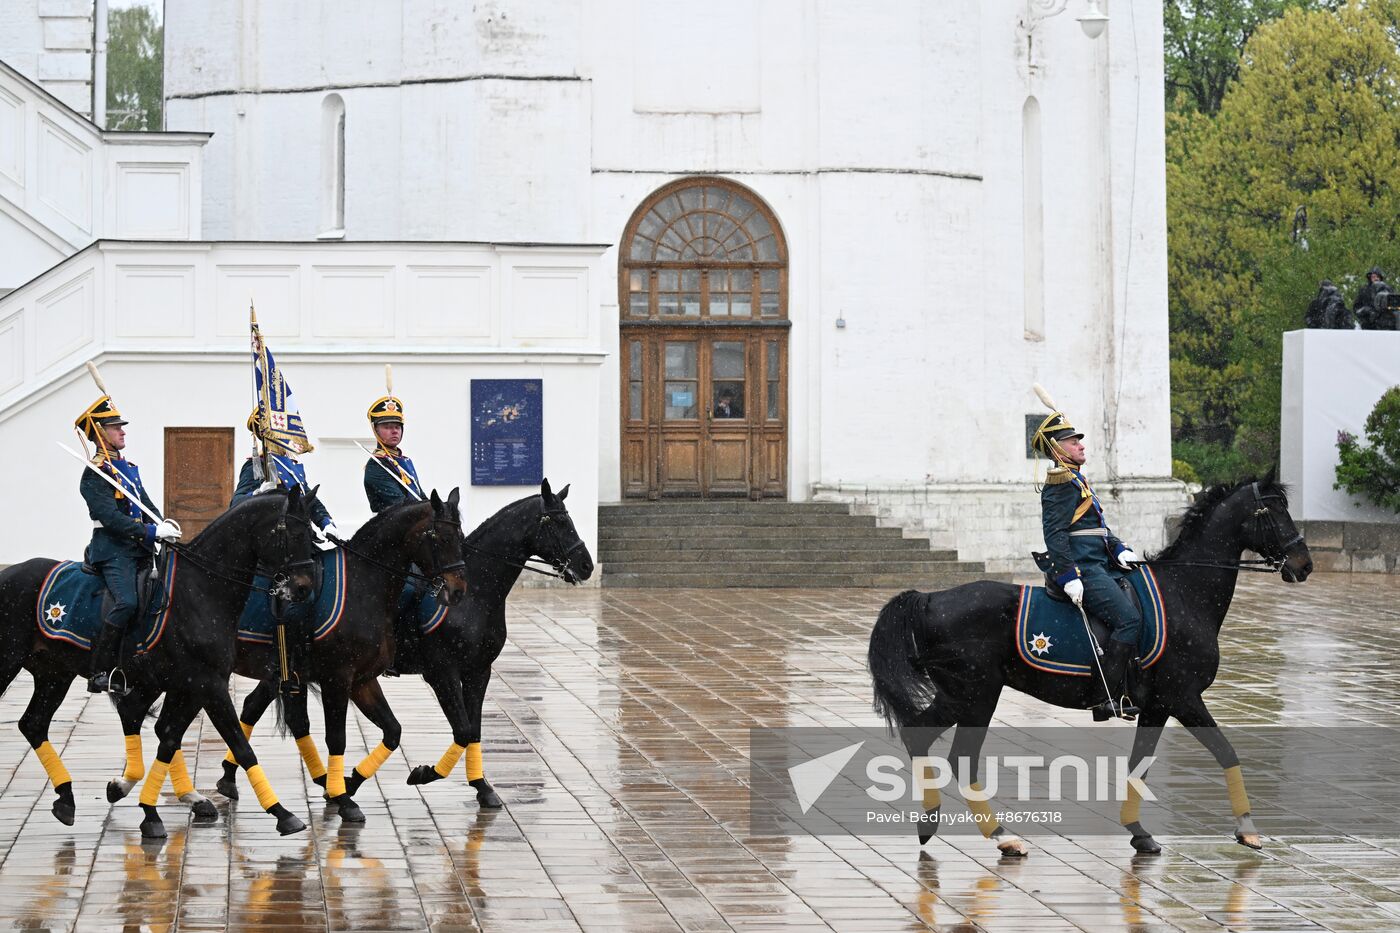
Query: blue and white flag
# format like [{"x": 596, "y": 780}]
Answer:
[{"x": 278, "y": 419}]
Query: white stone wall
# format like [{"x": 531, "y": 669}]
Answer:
[
  {"x": 886, "y": 137},
  {"x": 50, "y": 42}
]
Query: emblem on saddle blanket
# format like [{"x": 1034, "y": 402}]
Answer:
[
  {"x": 69, "y": 607},
  {"x": 1050, "y": 634}
]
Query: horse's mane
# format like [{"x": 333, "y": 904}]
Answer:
[
  {"x": 371, "y": 526},
  {"x": 479, "y": 531},
  {"x": 1193, "y": 520},
  {"x": 228, "y": 515}
]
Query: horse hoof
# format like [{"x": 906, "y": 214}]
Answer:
[
  {"x": 489, "y": 800},
  {"x": 289, "y": 824},
  {"x": 928, "y": 825},
  {"x": 205, "y": 812},
  {"x": 352, "y": 783},
  {"x": 152, "y": 828},
  {"x": 65, "y": 812},
  {"x": 1015, "y": 847},
  {"x": 423, "y": 774},
  {"x": 350, "y": 811},
  {"x": 1146, "y": 845},
  {"x": 115, "y": 791},
  {"x": 228, "y": 787},
  {"x": 1249, "y": 839}
]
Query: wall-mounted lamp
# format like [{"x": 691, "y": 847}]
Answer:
[{"x": 1093, "y": 22}]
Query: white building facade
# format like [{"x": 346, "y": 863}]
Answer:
[{"x": 844, "y": 238}]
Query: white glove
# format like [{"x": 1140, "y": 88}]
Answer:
[
  {"x": 267, "y": 486},
  {"x": 167, "y": 531},
  {"x": 1074, "y": 589},
  {"x": 323, "y": 540},
  {"x": 1127, "y": 557}
]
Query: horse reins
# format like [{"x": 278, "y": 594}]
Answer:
[
  {"x": 1262, "y": 521},
  {"x": 560, "y": 571},
  {"x": 435, "y": 582},
  {"x": 279, "y": 579}
]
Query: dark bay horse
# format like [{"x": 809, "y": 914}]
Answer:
[
  {"x": 966, "y": 652},
  {"x": 455, "y": 658},
  {"x": 348, "y": 660},
  {"x": 191, "y": 657}
]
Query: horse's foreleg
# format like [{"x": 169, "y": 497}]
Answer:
[
  {"x": 1149, "y": 730},
  {"x": 474, "y": 690},
  {"x": 918, "y": 737},
  {"x": 132, "y": 710},
  {"x": 175, "y": 717},
  {"x": 447, "y": 687},
  {"x": 294, "y": 710},
  {"x": 1194, "y": 716},
  {"x": 254, "y": 705},
  {"x": 335, "y": 701},
  {"x": 369, "y": 699},
  {"x": 49, "y": 692},
  {"x": 220, "y": 709}
]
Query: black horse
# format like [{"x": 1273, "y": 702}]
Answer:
[
  {"x": 347, "y": 661},
  {"x": 456, "y": 657},
  {"x": 966, "y": 652},
  {"x": 191, "y": 659}
]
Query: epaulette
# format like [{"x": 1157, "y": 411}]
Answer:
[{"x": 1057, "y": 475}]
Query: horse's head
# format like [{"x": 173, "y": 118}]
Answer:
[
  {"x": 557, "y": 541},
  {"x": 1270, "y": 532},
  {"x": 290, "y": 550},
  {"x": 440, "y": 549}
]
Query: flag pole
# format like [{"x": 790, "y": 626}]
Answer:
[{"x": 261, "y": 400}]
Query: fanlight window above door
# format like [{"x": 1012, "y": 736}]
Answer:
[{"x": 704, "y": 249}]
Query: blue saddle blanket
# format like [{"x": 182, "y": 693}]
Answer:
[
  {"x": 1050, "y": 634},
  {"x": 324, "y": 611},
  {"x": 69, "y": 607}
]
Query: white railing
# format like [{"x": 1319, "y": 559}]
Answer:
[{"x": 64, "y": 182}]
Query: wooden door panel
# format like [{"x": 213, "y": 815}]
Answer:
[
  {"x": 634, "y": 465},
  {"x": 198, "y": 476},
  {"x": 728, "y": 461},
  {"x": 680, "y": 464}
]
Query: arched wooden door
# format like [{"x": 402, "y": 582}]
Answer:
[{"x": 703, "y": 293}]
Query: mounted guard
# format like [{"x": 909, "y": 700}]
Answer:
[
  {"x": 125, "y": 527},
  {"x": 390, "y": 477},
  {"x": 1085, "y": 559}
]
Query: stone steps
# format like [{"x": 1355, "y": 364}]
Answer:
[{"x": 766, "y": 544}]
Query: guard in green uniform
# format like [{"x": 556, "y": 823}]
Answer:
[
  {"x": 288, "y": 473},
  {"x": 390, "y": 477},
  {"x": 1086, "y": 558},
  {"x": 122, "y": 535}
]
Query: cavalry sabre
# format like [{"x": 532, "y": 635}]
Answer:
[
  {"x": 135, "y": 500},
  {"x": 397, "y": 479}
]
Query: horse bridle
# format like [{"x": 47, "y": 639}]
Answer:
[
  {"x": 280, "y": 580},
  {"x": 561, "y": 563},
  {"x": 1265, "y": 531},
  {"x": 437, "y": 582}
]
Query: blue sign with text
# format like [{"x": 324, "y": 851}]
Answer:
[{"x": 507, "y": 432}]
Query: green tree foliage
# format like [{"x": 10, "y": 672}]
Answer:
[
  {"x": 1313, "y": 121},
  {"x": 1373, "y": 470},
  {"x": 135, "y": 56},
  {"x": 1204, "y": 39}
]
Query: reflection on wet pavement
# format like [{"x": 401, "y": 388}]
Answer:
[{"x": 616, "y": 731}]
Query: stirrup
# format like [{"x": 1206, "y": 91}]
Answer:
[
  {"x": 290, "y": 687},
  {"x": 1121, "y": 708},
  {"x": 112, "y": 687}
]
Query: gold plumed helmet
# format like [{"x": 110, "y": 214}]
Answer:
[
  {"x": 1055, "y": 427},
  {"x": 100, "y": 414},
  {"x": 386, "y": 410}
]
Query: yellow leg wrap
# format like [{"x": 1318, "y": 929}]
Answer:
[
  {"x": 473, "y": 762},
  {"x": 1131, "y": 811},
  {"x": 373, "y": 760},
  {"x": 335, "y": 776},
  {"x": 1234, "y": 783},
  {"x": 180, "y": 780},
  {"x": 247, "y": 734},
  {"x": 448, "y": 761},
  {"x": 982, "y": 812},
  {"x": 150, "y": 792},
  {"x": 135, "y": 767},
  {"x": 53, "y": 765},
  {"x": 311, "y": 757},
  {"x": 932, "y": 798},
  {"x": 266, "y": 798}
]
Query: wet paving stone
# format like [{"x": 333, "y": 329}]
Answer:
[{"x": 616, "y": 730}]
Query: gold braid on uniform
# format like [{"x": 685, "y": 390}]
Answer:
[{"x": 386, "y": 454}]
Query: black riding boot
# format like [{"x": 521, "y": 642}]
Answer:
[
  {"x": 1116, "y": 657},
  {"x": 104, "y": 659}
]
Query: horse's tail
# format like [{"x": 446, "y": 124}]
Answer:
[{"x": 902, "y": 690}]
